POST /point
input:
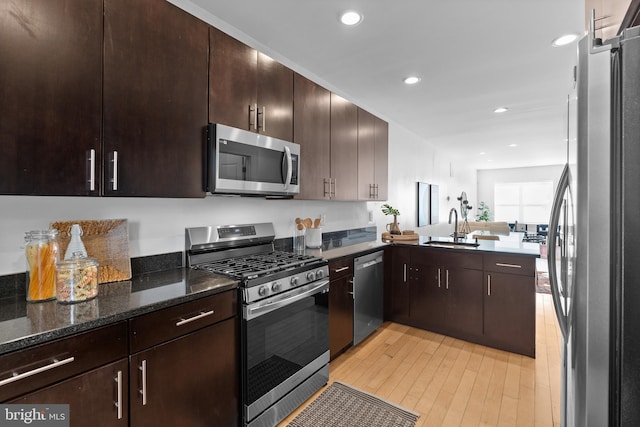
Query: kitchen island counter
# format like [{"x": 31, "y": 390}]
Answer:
[
  {"x": 25, "y": 324},
  {"x": 510, "y": 246}
]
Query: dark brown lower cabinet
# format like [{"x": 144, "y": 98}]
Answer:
[
  {"x": 464, "y": 301},
  {"x": 480, "y": 297},
  {"x": 509, "y": 312},
  {"x": 98, "y": 397},
  {"x": 397, "y": 294},
  {"x": 340, "y": 305},
  {"x": 188, "y": 381},
  {"x": 427, "y": 302}
]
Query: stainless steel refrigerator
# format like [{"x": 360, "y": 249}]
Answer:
[{"x": 594, "y": 257}]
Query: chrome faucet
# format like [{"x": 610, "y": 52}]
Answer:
[{"x": 455, "y": 229}]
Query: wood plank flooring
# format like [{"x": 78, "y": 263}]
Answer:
[{"x": 450, "y": 382}]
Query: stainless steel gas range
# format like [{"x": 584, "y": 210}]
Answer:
[{"x": 285, "y": 317}]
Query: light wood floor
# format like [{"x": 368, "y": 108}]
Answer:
[{"x": 450, "y": 382}]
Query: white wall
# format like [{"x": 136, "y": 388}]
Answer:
[
  {"x": 157, "y": 226},
  {"x": 411, "y": 159},
  {"x": 488, "y": 178}
]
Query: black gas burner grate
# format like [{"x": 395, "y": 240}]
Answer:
[{"x": 246, "y": 267}]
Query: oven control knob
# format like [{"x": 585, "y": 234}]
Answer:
[
  {"x": 311, "y": 276},
  {"x": 276, "y": 286},
  {"x": 294, "y": 281},
  {"x": 263, "y": 290},
  {"x": 319, "y": 274}
]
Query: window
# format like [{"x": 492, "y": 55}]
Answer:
[{"x": 527, "y": 202}]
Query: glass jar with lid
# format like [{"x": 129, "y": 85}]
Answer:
[
  {"x": 41, "y": 251},
  {"x": 76, "y": 279}
]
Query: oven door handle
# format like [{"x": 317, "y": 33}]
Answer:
[{"x": 268, "y": 307}]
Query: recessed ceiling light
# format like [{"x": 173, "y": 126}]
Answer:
[
  {"x": 564, "y": 40},
  {"x": 351, "y": 18},
  {"x": 482, "y": 153},
  {"x": 512, "y": 145},
  {"x": 411, "y": 80},
  {"x": 501, "y": 110}
]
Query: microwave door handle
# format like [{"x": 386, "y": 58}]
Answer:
[{"x": 287, "y": 163}]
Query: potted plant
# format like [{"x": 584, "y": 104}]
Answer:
[
  {"x": 483, "y": 212},
  {"x": 393, "y": 228}
]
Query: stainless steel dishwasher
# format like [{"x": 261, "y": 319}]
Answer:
[{"x": 368, "y": 293}]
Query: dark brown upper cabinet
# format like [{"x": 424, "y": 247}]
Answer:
[
  {"x": 248, "y": 90},
  {"x": 373, "y": 141},
  {"x": 155, "y": 100},
  {"x": 344, "y": 149},
  {"x": 50, "y": 96},
  {"x": 312, "y": 130}
]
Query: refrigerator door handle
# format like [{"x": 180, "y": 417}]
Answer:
[{"x": 556, "y": 211}]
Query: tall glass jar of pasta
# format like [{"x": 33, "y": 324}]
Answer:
[{"x": 42, "y": 255}]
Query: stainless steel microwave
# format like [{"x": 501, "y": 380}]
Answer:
[{"x": 242, "y": 162}]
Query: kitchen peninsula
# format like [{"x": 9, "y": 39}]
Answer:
[{"x": 483, "y": 294}]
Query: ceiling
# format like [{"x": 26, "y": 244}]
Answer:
[{"x": 472, "y": 57}]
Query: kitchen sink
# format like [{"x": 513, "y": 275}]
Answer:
[{"x": 451, "y": 245}]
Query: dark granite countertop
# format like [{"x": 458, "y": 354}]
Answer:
[
  {"x": 513, "y": 246},
  {"x": 352, "y": 250},
  {"x": 24, "y": 324}
]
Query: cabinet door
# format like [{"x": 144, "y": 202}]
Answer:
[
  {"x": 93, "y": 397},
  {"x": 509, "y": 312},
  {"x": 233, "y": 70},
  {"x": 190, "y": 381},
  {"x": 428, "y": 296},
  {"x": 275, "y": 98},
  {"x": 344, "y": 148},
  {"x": 155, "y": 99},
  {"x": 373, "y": 141},
  {"x": 464, "y": 301},
  {"x": 312, "y": 130},
  {"x": 400, "y": 284},
  {"x": 381, "y": 159},
  {"x": 340, "y": 314},
  {"x": 366, "y": 155},
  {"x": 50, "y": 96}
]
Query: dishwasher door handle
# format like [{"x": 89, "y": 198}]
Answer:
[{"x": 368, "y": 263}]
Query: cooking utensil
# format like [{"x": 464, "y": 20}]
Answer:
[{"x": 308, "y": 223}]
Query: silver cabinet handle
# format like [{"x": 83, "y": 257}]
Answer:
[
  {"x": 335, "y": 187},
  {"x": 143, "y": 390},
  {"x": 439, "y": 285},
  {"x": 499, "y": 264},
  {"x": 118, "y": 402},
  {"x": 447, "y": 279},
  {"x": 326, "y": 181},
  {"x": 338, "y": 270},
  {"x": 404, "y": 273},
  {"x": 264, "y": 118},
  {"x": 194, "y": 318},
  {"x": 92, "y": 170},
  {"x": 114, "y": 178},
  {"x": 251, "y": 111},
  {"x": 54, "y": 364},
  {"x": 488, "y": 284},
  {"x": 353, "y": 289}
]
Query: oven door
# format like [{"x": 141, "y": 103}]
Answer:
[
  {"x": 243, "y": 162},
  {"x": 285, "y": 341}
]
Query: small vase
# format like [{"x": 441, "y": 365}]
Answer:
[{"x": 394, "y": 228}]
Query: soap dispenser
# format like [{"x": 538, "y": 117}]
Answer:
[{"x": 76, "y": 247}]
